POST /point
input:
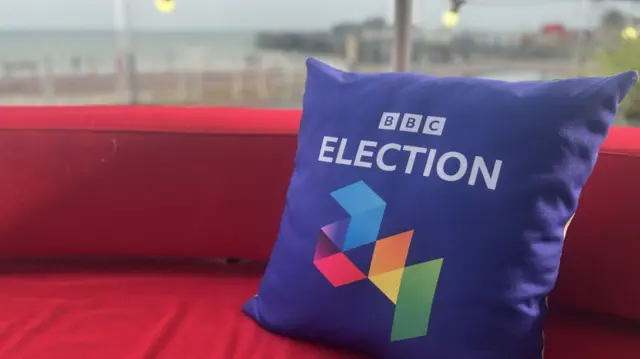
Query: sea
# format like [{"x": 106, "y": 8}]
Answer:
[{"x": 69, "y": 52}]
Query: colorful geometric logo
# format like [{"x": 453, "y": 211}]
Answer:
[{"x": 411, "y": 288}]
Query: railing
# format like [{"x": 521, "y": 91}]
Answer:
[{"x": 265, "y": 80}]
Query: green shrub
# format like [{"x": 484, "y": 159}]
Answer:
[{"x": 621, "y": 57}]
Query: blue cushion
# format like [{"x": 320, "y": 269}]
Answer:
[{"x": 425, "y": 217}]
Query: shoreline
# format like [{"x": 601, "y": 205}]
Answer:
[
  {"x": 259, "y": 85},
  {"x": 207, "y": 88}
]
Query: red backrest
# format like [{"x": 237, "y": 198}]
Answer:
[
  {"x": 211, "y": 183},
  {"x": 143, "y": 180},
  {"x": 600, "y": 268}
]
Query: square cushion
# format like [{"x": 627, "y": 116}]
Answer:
[{"x": 425, "y": 217}]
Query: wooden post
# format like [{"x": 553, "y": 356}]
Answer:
[{"x": 403, "y": 44}]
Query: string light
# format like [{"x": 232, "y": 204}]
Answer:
[
  {"x": 630, "y": 33},
  {"x": 450, "y": 19},
  {"x": 165, "y": 6}
]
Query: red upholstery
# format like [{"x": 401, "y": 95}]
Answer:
[
  {"x": 601, "y": 261},
  {"x": 136, "y": 311},
  {"x": 201, "y": 183},
  {"x": 130, "y": 187},
  {"x": 589, "y": 335}
]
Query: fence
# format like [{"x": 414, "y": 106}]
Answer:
[
  {"x": 257, "y": 82},
  {"x": 205, "y": 69}
]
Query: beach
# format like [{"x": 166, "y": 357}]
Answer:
[
  {"x": 207, "y": 88},
  {"x": 208, "y": 68}
]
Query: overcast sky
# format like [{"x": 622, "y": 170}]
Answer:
[{"x": 285, "y": 14}]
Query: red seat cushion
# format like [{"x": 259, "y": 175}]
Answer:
[
  {"x": 109, "y": 309},
  {"x": 142, "y": 311},
  {"x": 586, "y": 335}
]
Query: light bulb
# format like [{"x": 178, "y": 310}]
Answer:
[
  {"x": 165, "y": 6},
  {"x": 450, "y": 19}
]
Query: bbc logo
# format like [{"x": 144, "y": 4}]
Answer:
[{"x": 411, "y": 122}]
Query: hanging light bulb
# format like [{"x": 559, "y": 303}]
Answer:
[
  {"x": 630, "y": 33},
  {"x": 165, "y": 6},
  {"x": 450, "y": 19}
]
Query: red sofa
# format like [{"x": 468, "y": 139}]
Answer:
[{"x": 111, "y": 220}]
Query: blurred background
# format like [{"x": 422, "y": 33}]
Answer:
[{"x": 252, "y": 52}]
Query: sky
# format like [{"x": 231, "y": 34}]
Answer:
[{"x": 289, "y": 14}]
